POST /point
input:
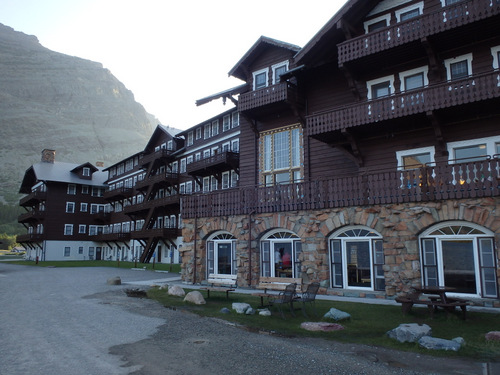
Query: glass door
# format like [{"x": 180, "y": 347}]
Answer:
[
  {"x": 358, "y": 263},
  {"x": 459, "y": 265}
]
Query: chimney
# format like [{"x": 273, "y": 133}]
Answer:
[
  {"x": 99, "y": 164},
  {"x": 48, "y": 156}
]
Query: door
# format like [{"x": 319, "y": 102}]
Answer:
[
  {"x": 358, "y": 263},
  {"x": 98, "y": 251},
  {"x": 459, "y": 265}
]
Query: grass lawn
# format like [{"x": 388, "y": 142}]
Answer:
[
  {"x": 175, "y": 268},
  {"x": 368, "y": 323}
]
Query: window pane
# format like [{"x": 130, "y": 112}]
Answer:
[
  {"x": 267, "y": 153},
  {"x": 415, "y": 81},
  {"x": 459, "y": 70},
  {"x": 260, "y": 80},
  {"x": 497, "y": 148},
  {"x": 358, "y": 263},
  {"x": 279, "y": 71},
  {"x": 410, "y": 14},
  {"x": 282, "y": 178},
  {"x": 380, "y": 90},
  {"x": 224, "y": 258},
  {"x": 458, "y": 265},
  {"x": 416, "y": 160},
  {"x": 295, "y": 148},
  {"x": 377, "y": 25},
  {"x": 281, "y": 150},
  {"x": 470, "y": 153}
]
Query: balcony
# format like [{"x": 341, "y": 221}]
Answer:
[
  {"x": 33, "y": 198},
  {"x": 216, "y": 163},
  {"x": 162, "y": 154},
  {"x": 279, "y": 93},
  {"x": 157, "y": 233},
  {"x": 33, "y": 237},
  {"x": 101, "y": 217},
  {"x": 119, "y": 193},
  {"x": 447, "y": 181},
  {"x": 120, "y": 236},
  {"x": 31, "y": 216},
  {"x": 447, "y": 18},
  {"x": 154, "y": 203},
  {"x": 440, "y": 96},
  {"x": 168, "y": 178}
]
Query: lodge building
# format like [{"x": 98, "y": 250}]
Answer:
[{"x": 369, "y": 157}]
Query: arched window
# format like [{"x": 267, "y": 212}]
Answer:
[
  {"x": 461, "y": 256},
  {"x": 357, "y": 259},
  {"x": 221, "y": 254},
  {"x": 279, "y": 254}
]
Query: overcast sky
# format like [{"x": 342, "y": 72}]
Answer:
[{"x": 169, "y": 53}]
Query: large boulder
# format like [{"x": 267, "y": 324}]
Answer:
[
  {"x": 435, "y": 343},
  {"x": 114, "y": 281},
  {"x": 265, "y": 312},
  {"x": 195, "y": 297},
  {"x": 492, "y": 336},
  {"x": 337, "y": 315},
  {"x": 411, "y": 332},
  {"x": 176, "y": 290},
  {"x": 241, "y": 308},
  {"x": 321, "y": 326}
]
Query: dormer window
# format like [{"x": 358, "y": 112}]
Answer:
[
  {"x": 260, "y": 79},
  {"x": 278, "y": 70},
  {"x": 86, "y": 171}
]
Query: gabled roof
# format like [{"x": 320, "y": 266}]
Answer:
[
  {"x": 59, "y": 172},
  {"x": 160, "y": 130},
  {"x": 87, "y": 165},
  {"x": 262, "y": 43}
]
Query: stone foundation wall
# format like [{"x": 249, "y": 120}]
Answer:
[{"x": 399, "y": 224}]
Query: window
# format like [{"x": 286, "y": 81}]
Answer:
[
  {"x": 278, "y": 70},
  {"x": 197, "y": 156},
  {"x": 495, "y": 52},
  {"x": 226, "y": 123},
  {"x": 85, "y": 189},
  {"x": 82, "y": 228},
  {"x": 409, "y": 12},
  {"x": 473, "y": 149},
  {"x": 461, "y": 256},
  {"x": 380, "y": 87},
  {"x": 68, "y": 229},
  {"x": 97, "y": 192},
  {"x": 225, "y": 147},
  {"x": 234, "y": 179},
  {"x": 260, "y": 79},
  {"x": 377, "y": 23},
  {"x": 281, "y": 156},
  {"x": 215, "y": 128},
  {"x": 70, "y": 207},
  {"x": 198, "y": 133},
  {"x": 357, "y": 259},
  {"x": 80, "y": 250},
  {"x": 170, "y": 145},
  {"x": 189, "y": 187},
  {"x": 235, "y": 145},
  {"x": 221, "y": 254},
  {"x": 213, "y": 183},
  {"x": 458, "y": 67},
  {"x": 86, "y": 171},
  {"x": 414, "y": 78},
  {"x": 190, "y": 138},
  {"x": 235, "y": 119},
  {"x": 84, "y": 207},
  {"x": 67, "y": 251},
  {"x": 206, "y": 154},
  {"x": 280, "y": 254},
  {"x": 71, "y": 189},
  {"x": 449, "y": 2},
  {"x": 189, "y": 159},
  {"x": 206, "y": 184},
  {"x": 207, "y": 131},
  {"x": 225, "y": 180},
  {"x": 183, "y": 166},
  {"x": 415, "y": 158}
]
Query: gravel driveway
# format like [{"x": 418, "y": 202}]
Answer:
[{"x": 68, "y": 321}]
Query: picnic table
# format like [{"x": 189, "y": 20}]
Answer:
[{"x": 433, "y": 297}]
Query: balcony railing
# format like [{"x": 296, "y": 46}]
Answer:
[
  {"x": 31, "y": 216},
  {"x": 156, "y": 179},
  {"x": 36, "y": 196},
  {"x": 119, "y": 193},
  {"x": 219, "y": 161},
  {"x": 280, "y": 92},
  {"x": 156, "y": 233},
  {"x": 145, "y": 206},
  {"x": 449, "y": 181},
  {"x": 157, "y": 155},
  {"x": 454, "y": 93},
  {"x": 33, "y": 237},
  {"x": 447, "y": 18},
  {"x": 120, "y": 236}
]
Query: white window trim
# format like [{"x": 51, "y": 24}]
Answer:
[
  {"x": 386, "y": 17},
  {"x": 489, "y": 141},
  {"x": 254, "y": 74},
  {"x": 276, "y": 66},
  {"x": 411, "y": 72},
  {"x": 443, "y": 3},
  {"x": 413, "y": 151},
  {"x": 453, "y": 60},
  {"x": 494, "y": 53},
  {"x": 373, "y": 82},
  {"x": 419, "y": 5}
]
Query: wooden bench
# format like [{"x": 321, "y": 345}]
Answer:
[
  {"x": 275, "y": 284},
  {"x": 432, "y": 304},
  {"x": 220, "y": 283}
]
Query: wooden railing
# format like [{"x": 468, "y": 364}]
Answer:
[
  {"x": 120, "y": 192},
  {"x": 144, "y": 206},
  {"x": 449, "y": 181},
  {"x": 120, "y": 236},
  {"x": 161, "y": 154},
  {"x": 31, "y": 216},
  {"x": 162, "y": 177},
  {"x": 447, "y": 18},
  {"x": 34, "y": 196},
  {"x": 33, "y": 237},
  {"x": 272, "y": 94},
  {"x": 226, "y": 157},
  {"x": 449, "y": 94}
]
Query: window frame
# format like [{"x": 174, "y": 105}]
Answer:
[
  {"x": 374, "y": 82},
  {"x": 495, "y": 51},
  {"x": 190, "y": 139},
  {"x": 235, "y": 119},
  {"x": 70, "y": 207},
  {"x": 257, "y": 73},
  {"x": 399, "y": 12},
  {"x": 212, "y": 246},
  {"x": 226, "y": 123},
  {"x": 454, "y": 60},
  {"x": 385, "y": 17},
  {"x": 82, "y": 229},
  {"x": 490, "y": 143},
  {"x": 277, "y": 66},
  {"x": 68, "y": 229},
  {"x": 71, "y": 190},
  {"x": 414, "y": 151},
  {"x": 409, "y": 73}
]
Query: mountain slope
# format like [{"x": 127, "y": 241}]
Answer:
[{"x": 71, "y": 105}]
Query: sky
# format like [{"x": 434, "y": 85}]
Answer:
[{"x": 168, "y": 53}]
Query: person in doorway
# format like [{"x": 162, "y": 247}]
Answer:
[{"x": 287, "y": 260}]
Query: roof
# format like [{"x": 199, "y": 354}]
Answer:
[
  {"x": 59, "y": 172},
  {"x": 223, "y": 94},
  {"x": 185, "y": 132},
  {"x": 263, "y": 42},
  {"x": 156, "y": 133}
]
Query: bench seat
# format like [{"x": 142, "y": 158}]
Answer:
[{"x": 220, "y": 283}]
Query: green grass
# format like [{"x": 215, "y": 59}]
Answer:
[
  {"x": 175, "y": 268},
  {"x": 368, "y": 324}
]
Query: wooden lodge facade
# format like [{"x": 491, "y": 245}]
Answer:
[{"x": 367, "y": 160}]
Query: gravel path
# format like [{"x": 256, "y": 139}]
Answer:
[{"x": 64, "y": 321}]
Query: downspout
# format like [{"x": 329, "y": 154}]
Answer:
[
  {"x": 194, "y": 248},
  {"x": 250, "y": 248}
]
